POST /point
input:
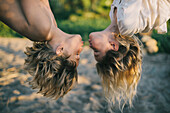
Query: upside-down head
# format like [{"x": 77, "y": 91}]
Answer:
[
  {"x": 120, "y": 69},
  {"x": 54, "y": 75}
]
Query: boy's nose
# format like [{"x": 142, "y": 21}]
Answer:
[{"x": 78, "y": 37}]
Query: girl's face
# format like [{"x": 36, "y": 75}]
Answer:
[{"x": 101, "y": 43}]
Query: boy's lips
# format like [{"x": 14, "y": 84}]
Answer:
[{"x": 80, "y": 50}]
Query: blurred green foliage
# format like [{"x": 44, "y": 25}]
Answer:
[
  {"x": 83, "y": 17},
  {"x": 5, "y": 31},
  {"x": 163, "y": 40},
  {"x": 65, "y": 9}
]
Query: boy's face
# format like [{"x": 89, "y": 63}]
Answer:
[
  {"x": 101, "y": 43},
  {"x": 73, "y": 48}
]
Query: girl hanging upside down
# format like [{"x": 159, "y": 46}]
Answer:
[{"x": 117, "y": 49}]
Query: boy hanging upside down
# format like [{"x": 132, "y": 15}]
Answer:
[{"x": 54, "y": 57}]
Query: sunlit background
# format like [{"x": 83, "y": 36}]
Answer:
[{"x": 83, "y": 17}]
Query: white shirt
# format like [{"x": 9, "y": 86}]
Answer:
[{"x": 139, "y": 16}]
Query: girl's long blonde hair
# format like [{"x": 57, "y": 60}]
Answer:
[{"x": 120, "y": 71}]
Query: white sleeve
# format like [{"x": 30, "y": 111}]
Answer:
[{"x": 137, "y": 16}]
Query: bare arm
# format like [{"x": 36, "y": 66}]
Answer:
[{"x": 31, "y": 18}]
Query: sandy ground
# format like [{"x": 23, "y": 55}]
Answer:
[{"x": 16, "y": 97}]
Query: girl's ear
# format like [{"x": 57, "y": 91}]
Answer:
[
  {"x": 59, "y": 49},
  {"x": 115, "y": 45}
]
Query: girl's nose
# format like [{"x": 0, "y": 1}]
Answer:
[{"x": 91, "y": 36}]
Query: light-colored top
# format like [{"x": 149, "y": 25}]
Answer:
[{"x": 140, "y": 16}]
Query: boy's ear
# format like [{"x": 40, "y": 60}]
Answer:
[{"x": 59, "y": 49}]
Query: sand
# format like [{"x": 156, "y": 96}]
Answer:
[{"x": 153, "y": 94}]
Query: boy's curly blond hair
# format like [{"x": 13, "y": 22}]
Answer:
[
  {"x": 53, "y": 75},
  {"x": 120, "y": 71}
]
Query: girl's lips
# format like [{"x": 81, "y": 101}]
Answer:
[
  {"x": 90, "y": 43},
  {"x": 94, "y": 49},
  {"x": 90, "y": 46},
  {"x": 96, "y": 53}
]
